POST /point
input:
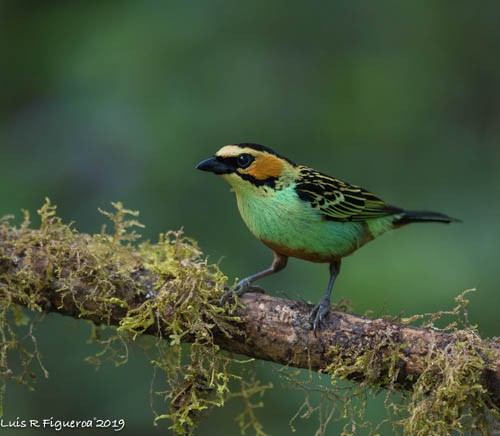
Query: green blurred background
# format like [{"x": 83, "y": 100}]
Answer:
[{"x": 104, "y": 101}]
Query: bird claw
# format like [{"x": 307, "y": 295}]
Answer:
[
  {"x": 319, "y": 313},
  {"x": 242, "y": 287}
]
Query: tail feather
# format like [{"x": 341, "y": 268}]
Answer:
[{"x": 416, "y": 216}]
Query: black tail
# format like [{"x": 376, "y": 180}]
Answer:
[{"x": 415, "y": 216}]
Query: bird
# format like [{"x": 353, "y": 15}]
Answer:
[{"x": 299, "y": 212}]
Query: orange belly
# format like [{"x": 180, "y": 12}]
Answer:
[{"x": 302, "y": 253}]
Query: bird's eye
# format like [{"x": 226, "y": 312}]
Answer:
[{"x": 244, "y": 160}]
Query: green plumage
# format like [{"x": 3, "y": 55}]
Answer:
[
  {"x": 283, "y": 219},
  {"x": 317, "y": 217}
]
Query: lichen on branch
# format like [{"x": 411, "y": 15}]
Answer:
[{"x": 169, "y": 290}]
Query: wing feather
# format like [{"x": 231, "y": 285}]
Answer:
[{"x": 340, "y": 201}]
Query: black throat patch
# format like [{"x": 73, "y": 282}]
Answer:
[{"x": 270, "y": 181}]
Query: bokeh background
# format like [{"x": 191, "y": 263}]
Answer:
[{"x": 106, "y": 101}]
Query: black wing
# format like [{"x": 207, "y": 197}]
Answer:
[{"x": 340, "y": 201}]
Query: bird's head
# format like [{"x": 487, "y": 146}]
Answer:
[{"x": 249, "y": 166}]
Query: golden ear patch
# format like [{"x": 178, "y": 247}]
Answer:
[{"x": 265, "y": 166}]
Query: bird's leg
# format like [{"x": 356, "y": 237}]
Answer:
[
  {"x": 279, "y": 262},
  {"x": 322, "y": 308}
]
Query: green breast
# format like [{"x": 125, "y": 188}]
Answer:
[{"x": 282, "y": 219}]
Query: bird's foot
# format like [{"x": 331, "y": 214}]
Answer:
[
  {"x": 319, "y": 313},
  {"x": 242, "y": 287}
]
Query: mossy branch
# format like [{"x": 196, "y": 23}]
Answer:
[{"x": 167, "y": 289}]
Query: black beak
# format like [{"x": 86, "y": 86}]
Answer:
[{"x": 214, "y": 165}]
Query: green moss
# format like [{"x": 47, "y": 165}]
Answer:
[
  {"x": 96, "y": 275},
  {"x": 449, "y": 395}
]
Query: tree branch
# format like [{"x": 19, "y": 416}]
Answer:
[{"x": 378, "y": 351}]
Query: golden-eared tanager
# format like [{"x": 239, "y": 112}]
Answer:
[{"x": 299, "y": 212}]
